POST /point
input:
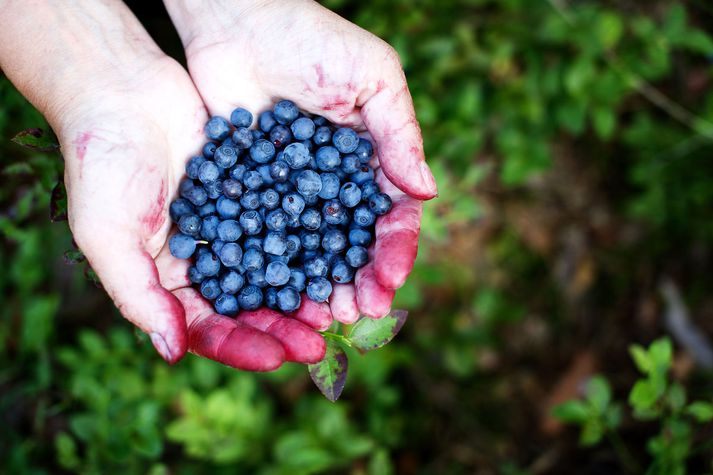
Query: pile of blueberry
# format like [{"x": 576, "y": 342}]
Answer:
[{"x": 265, "y": 214}]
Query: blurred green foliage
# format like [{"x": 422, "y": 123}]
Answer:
[{"x": 580, "y": 113}]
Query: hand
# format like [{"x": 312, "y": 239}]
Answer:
[{"x": 250, "y": 54}]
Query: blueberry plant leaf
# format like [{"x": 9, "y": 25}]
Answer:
[
  {"x": 58, "y": 203},
  {"x": 330, "y": 374},
  {"x": 36, "y": 139},
  {"x": 369, "y": 334},
  {"x": 73, "y": 256}
]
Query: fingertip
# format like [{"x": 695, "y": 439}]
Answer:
[
  {"x": 343, "y": 303},
  {"x": 374, "y": 300},
  {"x": 315, "y": 314},
  {"x": 301, "y": 343}
]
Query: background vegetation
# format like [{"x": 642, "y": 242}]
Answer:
[{"x": 573, "y": 145}]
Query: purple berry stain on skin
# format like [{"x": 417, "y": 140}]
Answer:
[{"x": 81, "y": 143}]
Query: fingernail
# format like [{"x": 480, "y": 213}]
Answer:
[
  {"x": 161, "y": 346},
  {"x": 428, "y": 179}
]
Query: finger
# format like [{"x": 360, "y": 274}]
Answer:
[
  {"x": 314, "y": 314},
  {"x": 343, "y": 303},
  {"x": 130, "y": 277},
  {"x": 373, "y": 299},
  {"x": 225, "y": 340},
  {"x": 396, "y": 243},
  {"x": 389, "y": 116},
  {"x": 301, "y": 343},
  {"x": 172, "y": 272}
]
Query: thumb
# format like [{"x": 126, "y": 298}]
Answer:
[{"x": 129, "y": 275}]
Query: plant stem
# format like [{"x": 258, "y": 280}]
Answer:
[
  {"x": 338, "y": 338},
  {"x": 627, "y": 459}
]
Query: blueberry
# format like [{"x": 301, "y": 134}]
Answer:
[
  {"x": 380, "y": 203},
  {"x": 342, "y": 273},
  {"x": 214, "y": 189},
  {"x": 350, "y": 164},
  {"x": 346, "y": 140},
  {"x": 243, "y": 138},
  {"x": 252, "y": 242},
  {"x": 190, "y": 224},
  {"x": 208, "y": 264},
  {"x": 311, "y": 241},
  {"x": 302, "y": 128},
  {"x": 182, "y": 246},
  {"x": 257, "y": 278},
  {"x": 322, "y": 136},
  {"x": 179, "y": 207},
  {"x": 206, "y": 210},
  {"x": 253, "y": 259},
  {"x": 309, "y": 183},
  {"x": 229, "y": 230},
  {"x": 293, "y": 204},
  {"x": 288, "y": 299},
  {"x": 350, "y": 195},
  {"x": 294, "y": 244},
  {"x": 279, "y": 170},
  {"x": 251, "y": 222},
  {"x": 250, "y": 200},
  {"x": 316, "y": 267},
  {"x": 276, "y": 220},
  {"x": 311, "y": 219},
  {"x": 274, "y": 243},
  {"x": 319, "y": 120},
  {"x": 232, "y": 188},
  {"x": 357, "y": 256},
  {"x": 217, "y": 128},
  {"x": 193, "y": 166},
  {"x": 328, "y": 158},
  {"x": 330, "y": 186},
  {"x": 266, "y": 121},
  {"x": 364, "y": 151},
  {"x": 333, "y": 212},
  {"x": 252, "y": 180},
  {"x": 208, "y": 172},
  {"x": 319, "y": 289},
  {"x": 277, "y": 274},
  {"x": 285, "y": 112},
  {"x": 210, "y": 289},
  {"x": 250, "y": 297},
  {"x": 296, "y": 155},
  {"x": 368, "y": 188},
  {"x": 297, "y": 279},
  {"x": 262, "y": 151},
  {"x": 231, "y": 282},
  {"x": 359, "y": 236},
  {"x": 280, "y": 136},
  {"x": 241, "y": 117},
  {"x": 227, "y": 208},
  {"x": 225, "y": 156},
  {"x": 264, "y": 171},
  {"x": 238, "y": 171},
  {"x": 363, "y": 216},
  {"x": 231, "y": 254},
  {"x": 271, "y": 298},
  {"x": 364, "y": 174},
  {"x": 215, "y": 246},
  {"x": 209, "y": 149},
  {"x": 226, "y": 304},
  {"x": 194, "y": 276},
  {"x": 334, "y": 241}
]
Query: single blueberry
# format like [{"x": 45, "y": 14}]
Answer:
[
  {"x": 350, "y": 195},
  {"x": 311, "y": 241},
  {"x": 309, "y": 184},
  {"x": 210, "y": 289},
  {"x": 208, "y": 172},
  {"x": 277, "y": 274},
  {"x": 243, "y": 138},
  {"x": 226, "y": 304},
  {"x": 262, "y": 151},
  {"x": 350, "y": 164},
  {"x": 179, "y": 207},
  {"x": 334, "y": 241},
  {"x": 319, "y": 289},
  {"x": 209, "y": 149},
  {"x": 252, "y": 180},
  {"x": 302, "y": 128},
  {"x": 214, "y": 189},
  {"x": 311, "y": 219},
  {"x": 190, "y": 224},
  {"x": 293, "y": 204},
  {"x": 285, "y": 112},
  {"x": 363, "y": 216},
  {"x": 330, "y": 186},
  {"x": 279, "y": 170},
  {"x": 194, "y": 276},
  {"x": 266, "y": 121},
  {"x": 182, "y": 246},
  {"x": 225, "y": 156},
  {"x": 364, "y": 174},
  {"x": 316, "y": 267},
  {"x": 380, "y": 203},
  {"x": 257, "y": 278},
  {"x": 252, "y": 241},
  {"x": 288, "y": 299},
  {"x": 238, "y": 171},
  {"x": 297, "y": 279},
  {"x": 368, "y": 188},
  {"x": 334, "y": 212},
  {"x": 270, "y": 199},
  {"x": 280, "y": 136},
  {"x": 274, "y": 243},
  {"x": 206, "y": 210},
  {"x": 271, "y": 298},
  {"x": 364, "y": 151},
  {"x": 241, "y": 117},
  {"x": 250, "y": 200},
  {"x": 296, "y": 155},
  {"x": 251, "y": 222},
  {"x": 342, "y": 273},
  {"x": 328, "y": 158},
  {"x": 345, "y": 140},
  {"x": 231, "y": 282},
  {"x": 357, "y": 256},
  {"x": 294, "y": 244},
  {"x": 232, "y": 188},
  {"x": 276, "y": 220},
  {"x": 231, "y": 254},
  {"x": 250, "y": 297},
  {"x": 229, "y": 230},
  {"x": 208, "y": 264},
  {"x": 193, "y": 166},
  {"x": 253, "y": 259},
  {"x": 359, "y": 236},
  {"x": 217, "y": 128},
  {"x": 227, "y": 208},
  {"x": 322, "y": 136}
]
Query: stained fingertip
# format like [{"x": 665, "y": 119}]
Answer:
[
  {"x": 343, "y": 303},
  {"x": 373, "y": 299},
  {"x": 396, "y": 244},
  {"x": 315, "y": 314},
  {"x": 301, "y": 343}
]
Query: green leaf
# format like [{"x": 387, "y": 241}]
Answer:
[
  {"x": 641, "y": 358},
  {"x": 609, "y": 29},
  {"x": 643, "y": 396},
  {"x": 592, "y": 433},
  {"x": 701, "y": 411},
  {"x": 572, "y": 411},
  {"x": 58, "y": 203},
  {"x": 36, "y": 139},
  {"x": 661, "y": 354},
  {"x": 599, "y": 393},
  {"x": 676, "y": 397},
  {"x": 330, "y": 374},
  {"x": 73, "y": 256},
  {"x": 369, "y": 334}
]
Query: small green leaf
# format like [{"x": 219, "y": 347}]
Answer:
[
  {"x": 330, "y": 374},
  {"x": 592, "y": 433},
  {"x": 701, "y": 411},
  {"x": 73, "y": 256},
  {"x": 643, "y": 396},
  {"x": 369, "y": 334},
  {"x": 641, "y": 358},
  {"x": 571, "y": 411},
  {"x": 36, "y": 139},
  {"x": 58, "y": 203},
  {"x": 599, "y": 393},
  {"x": 661, "y": 354}
]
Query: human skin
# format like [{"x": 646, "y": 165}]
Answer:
[{"x": 128, "y": 117}]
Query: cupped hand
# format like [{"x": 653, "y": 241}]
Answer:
[
  {"x": 126, "y": 139},
  {"x": 251, "y": 54}
]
